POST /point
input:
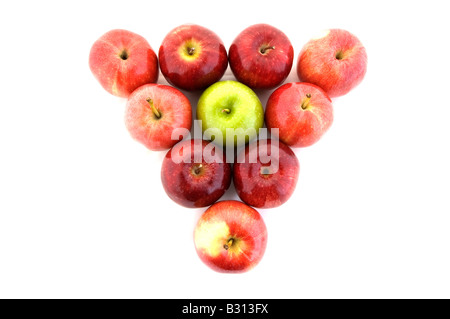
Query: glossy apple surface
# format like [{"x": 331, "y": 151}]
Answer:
[
  {"x": 301, "y": 111},
  {"x": 192, "y": 57},
  {"x": 122, "y": 61},
  {"x": 195, "y": 175},
  {"x": 153, "y": 111},
  {"x": 230, "y": 237},
  {"x": 257, "y": 183},
  {"x": 230, "y": 105},
  {"x": 261, "y": 57},
  {"x": 336, "y": 61}
]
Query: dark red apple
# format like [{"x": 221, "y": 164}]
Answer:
[
  {"x": 261, "y": 57},
  {"x": 192, "y": 57},
  {"x": 122, "y": 61},
  {"x": 194, "y": 173},
  {"x": 152, "y": 114},
  {"x": 230, "y": 237},
  {"x": 335, "y": 60},
  {"x": 301, "y": 111},
  {"x": 266, "y": 182}
]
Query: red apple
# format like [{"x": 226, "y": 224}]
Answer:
[
  {"x": 336, "y": 61},
  {"x": 194, "y": 173},
  {"x": 266, "y": 184},
  {"x": 261, "y": 57},
  {"x": 122, "y": 61},
  {"x": 301, "y": 111},
  {"x": 192, "y": 57},
  {"x": 230, "y": 237},
  {"x": 153, "y": 111}
]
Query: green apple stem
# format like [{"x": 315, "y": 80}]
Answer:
[
  {"x": 155, "y": 111},
  {"x": 226, "y": 111},
  {"x": 228, "y": 244},
  {"x": 305, "y": 102}
]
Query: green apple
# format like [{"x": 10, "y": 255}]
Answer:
[{"x": 231, "y": 112}]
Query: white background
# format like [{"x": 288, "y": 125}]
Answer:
[{"x": 82, "y": 209}]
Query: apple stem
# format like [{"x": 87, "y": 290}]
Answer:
[
  {"x": 191, "y": 51},
  {"x": 263, "y": 49},
  {"x": 124, "y": 54},
  {"x": 305, "y": 102},
  {"x": 228, "y": 111},
  {"x": 339, "y": 55},
  {"x": 155, "y": 111},
  {"x": 198, "y": 169},
  {"x": 265, "y": 171},
  {"x": 228, "y": 244}
]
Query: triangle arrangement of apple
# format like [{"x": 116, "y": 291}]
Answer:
[{"x": 231, "y": 235}]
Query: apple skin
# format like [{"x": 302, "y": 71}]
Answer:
[
  {"x": 192, "y": 57},
  {"x": 244, "y": 106},
  {"x": 235, "y": 221},
  {"x": 257, "y": 189},
  {"x": 261, "y": 57},
  {"x": 301, "y": 120},
  {"x": 143, "y": 123},
  {"x": 191, "y": 184},
  {"x": 122, "y": 61},
  {"x": 336, "y": 61}
]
